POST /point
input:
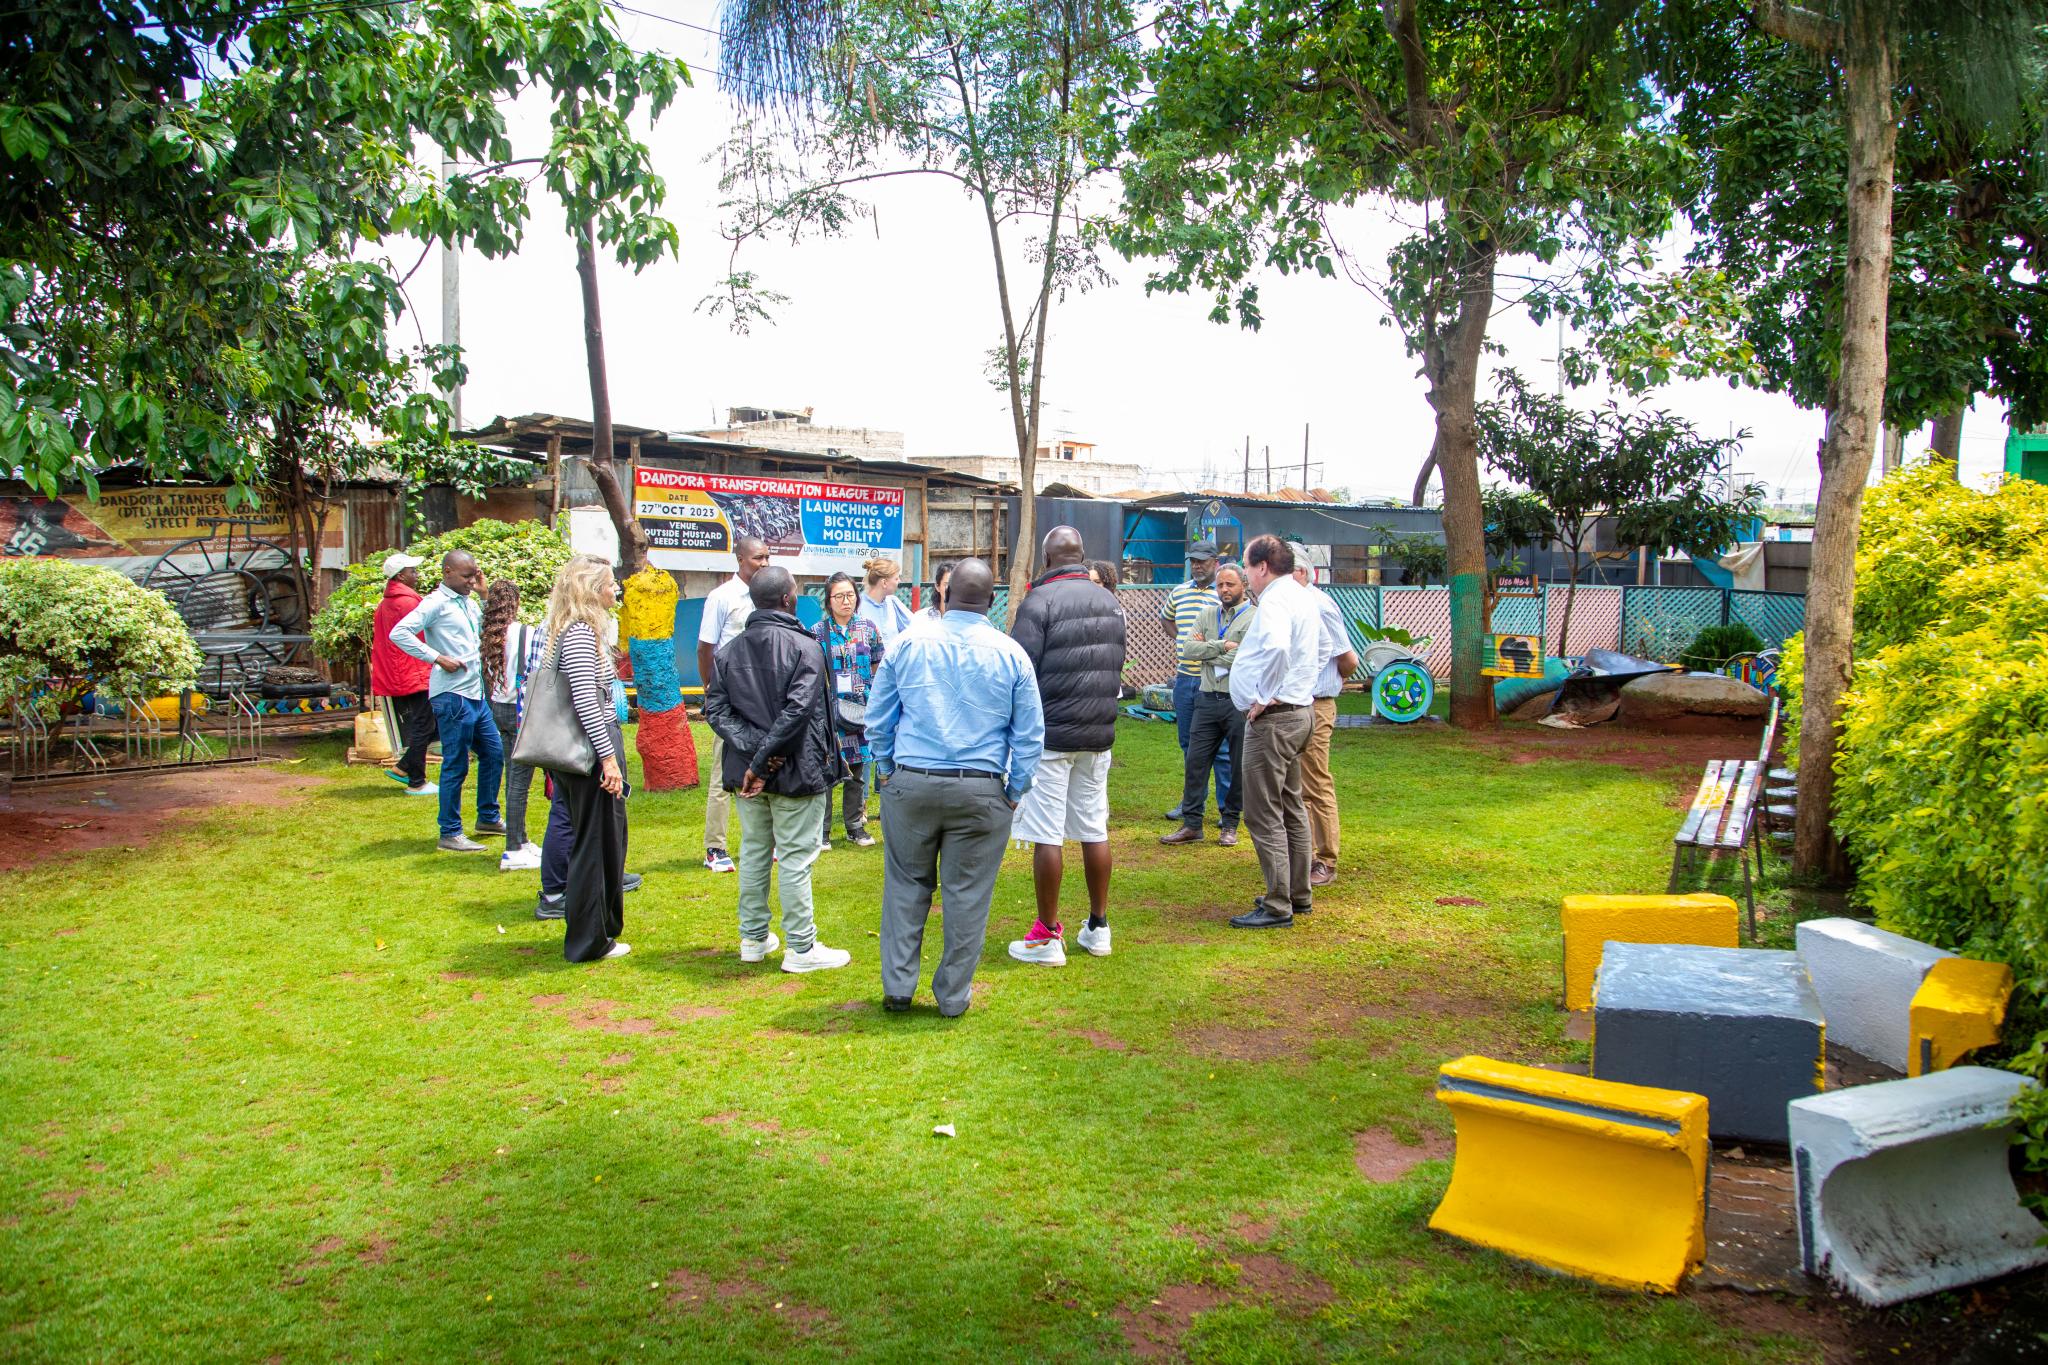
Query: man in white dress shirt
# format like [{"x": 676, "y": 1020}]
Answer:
[{"x": 1273, "y": 680}]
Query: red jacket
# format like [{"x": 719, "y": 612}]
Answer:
[{"x": 393, "y": 672}]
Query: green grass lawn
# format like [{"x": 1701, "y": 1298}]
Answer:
[{"x": 287, "y": 1083}]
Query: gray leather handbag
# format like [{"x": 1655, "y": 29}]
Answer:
[{"x": 550, "y": 732}]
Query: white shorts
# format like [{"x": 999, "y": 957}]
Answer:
[{"x": 1069, "y": 799}]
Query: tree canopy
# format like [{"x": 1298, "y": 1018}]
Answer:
[
  {"x": 1518, "y": 148},
  {"x": 190, "y": 269}
]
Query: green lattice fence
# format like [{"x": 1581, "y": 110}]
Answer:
[
  {"x": 1772, "y": 615},
  {"x": 1658, "y": 623}
]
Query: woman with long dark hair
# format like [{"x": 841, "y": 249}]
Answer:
[
  {"x": 941, "y": 572},
  {"x": 506, "y": 648},
  {"x": 853, "y": 651},
  {"x": 594, "y": 898}
]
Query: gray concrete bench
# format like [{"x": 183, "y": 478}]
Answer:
[{"x": 1738, "y": 1025}]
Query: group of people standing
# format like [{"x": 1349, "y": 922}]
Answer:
[
  {"x": 456, "y": 670},
  {"x": 1263, "y": 657},
  {"x": 973, "y": 738}
]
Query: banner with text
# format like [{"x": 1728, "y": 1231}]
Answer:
[{"x": 810, "y": 527}]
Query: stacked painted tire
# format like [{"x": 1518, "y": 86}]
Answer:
[{"x": 668, "y": 754}]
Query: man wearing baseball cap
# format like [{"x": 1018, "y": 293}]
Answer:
[{"x": 400, "y": 681}]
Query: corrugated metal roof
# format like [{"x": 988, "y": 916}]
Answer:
[{"x": 530, "y": 435}]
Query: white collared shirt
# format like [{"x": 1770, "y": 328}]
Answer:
[
  {"x": 1282, "y": 652},
  {"x": 1334, "y": 640}
]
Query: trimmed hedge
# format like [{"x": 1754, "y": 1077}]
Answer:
[
  {"x": 1942, "y": 776},
  {"x": 61, "y": 620}
]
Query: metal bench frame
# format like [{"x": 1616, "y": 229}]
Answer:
[{"x": 1723, "y": 817}]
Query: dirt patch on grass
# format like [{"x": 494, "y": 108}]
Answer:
[
  {"x": 1459, "y": 900},
  {"x": 1383, "y": 1158},
  {"x": 1683, "y": 742},
  {"x": 689, "y": 1013},
  {"x": 1156, "y": 1329},
  {"x": 595, "y": 1014},
  {"x": 122, "y": 811},
  {"x": 1105, "y": 1041},
  {"x": 1283, "y": 1014},
  {"x": 690, "y": 1290}
]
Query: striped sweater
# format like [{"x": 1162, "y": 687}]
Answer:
[{"x": 590, "y": 673}]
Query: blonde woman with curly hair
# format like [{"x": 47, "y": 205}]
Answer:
[
  {"x": 579, "y": 611},
  {"x": 878, "y": 601}
]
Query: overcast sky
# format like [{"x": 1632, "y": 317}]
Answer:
[{"x": 889, "y": 328}]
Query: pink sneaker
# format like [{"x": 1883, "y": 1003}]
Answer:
[{"x": 1042, "y": 946}]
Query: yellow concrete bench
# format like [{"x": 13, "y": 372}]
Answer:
[
  {"x": 1959, "y": 1007},
  {"x": 1591, "y": 921},
  {"x": 1593, "y": 1178}
]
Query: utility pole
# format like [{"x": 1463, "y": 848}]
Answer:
[
  {"x": 1269, "y": 469},
  {"x": 1304, "y": 457},
  {"x": 1247, "y": 464},
  {"x": 451, "y": 302}
]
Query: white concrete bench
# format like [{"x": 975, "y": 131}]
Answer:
[
  {"x": 1903, "y": 1187},
  {"x": 1865, "y": 978}
]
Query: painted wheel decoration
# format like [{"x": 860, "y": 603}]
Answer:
[{"x": 1402, "y": 692}]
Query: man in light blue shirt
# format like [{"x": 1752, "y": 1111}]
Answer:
[
  {"x": 956, "y": 728},
  {"x": 444, "y": 630}
]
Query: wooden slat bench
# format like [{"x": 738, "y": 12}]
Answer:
[{"x": 1723, "y": 814}]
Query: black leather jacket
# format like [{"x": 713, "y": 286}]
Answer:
[
  {"x": 1074, "y": 632},
  {"x": 771, "y": 696}
]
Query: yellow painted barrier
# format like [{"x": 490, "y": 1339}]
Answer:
[
  {"x": 1593, "y": 1178},
  {"x": 1590, "y": 921},
  {"x": 1959, "y": 1007}
]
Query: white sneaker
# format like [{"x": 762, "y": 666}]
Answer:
[
  {"x": 757, "y": 949},
  {"x": 524, "y": 859},
  {"x": 618, "y": 950},
  {"x": 424, "y": 789},
  {"x": 824, "y": 845},
  {"x": 1045, "y": 952},
  {"x": 1096, "y": 941},
  {"x": 818, "y": 959}
]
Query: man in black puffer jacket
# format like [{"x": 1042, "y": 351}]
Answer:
[
  {"x": 1073, "y": 632},
  {"x": 771, "y": 701}
]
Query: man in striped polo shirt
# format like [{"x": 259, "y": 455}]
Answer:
[{"x": 1184, "y": 606}]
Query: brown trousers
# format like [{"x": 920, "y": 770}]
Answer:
[
  {"x": 1274, "y": 814},
  {"x": 1318, "y": 789}
]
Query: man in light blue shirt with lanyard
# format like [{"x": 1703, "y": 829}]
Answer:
[
  {"x": 443, "y": 630},
  {"x": 956, "y": 728}
]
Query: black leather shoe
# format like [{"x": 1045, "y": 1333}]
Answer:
[
  {"x": 1183, "y": 835},
  {"x": 1261, "y": 918},
  {"x": 550, "y": 907},
  {"x": 630, "y": 882},
  {"x": 896, "y": 1004},
  {"x": 1303, "y": 909},
  {"x": 492, "y": 830},
  {"x": 1227, "y": 836}
]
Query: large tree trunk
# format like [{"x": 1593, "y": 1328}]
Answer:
[
  {"x": 1852, "y": 431},
  {"x": 1450, "y": 363},
  {"x": 632, "y": 538},
  {"x": 1947, "y": 445}
]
